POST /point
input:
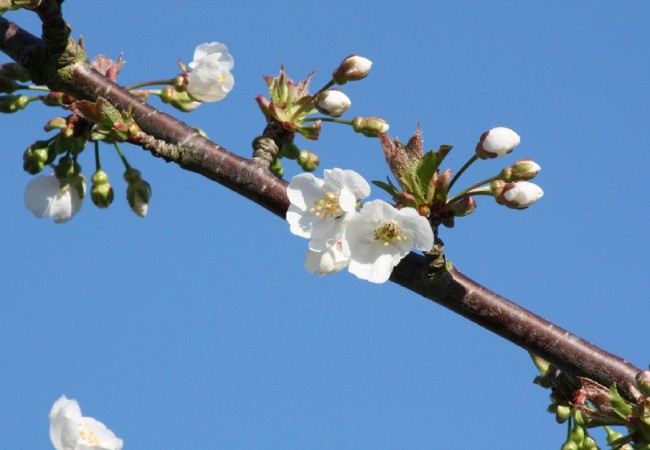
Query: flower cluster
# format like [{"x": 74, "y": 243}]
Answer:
[
  {"x": 290, "y": 105},
  {"x": 69, "y": 430},
  {"x": 370, "y": 241},
  {"x": 60, "y": 195}
]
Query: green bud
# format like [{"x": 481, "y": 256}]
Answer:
[
  {"x": 589, "y": 443},
  {"x": 101, "y": 192},
  {"x": 562, "y": 413},
  {"x": 7, "y": 85},
  {"x": 569, "y": 445},
  {"x": 290, "y": 150},
  {"x": 369, "y": 126},
  {"x": 12, "y": 103},
  {"x": 308, "y": 161},
  {"x": 524, "y": 169},
  {"x": 64, "y": 168},
  {"x": 277, "y": 169},
  {"x": 577, "y": 434},
  {"x": 57, "y": 123}
]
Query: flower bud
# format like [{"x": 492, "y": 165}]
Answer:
[
  {"x": 562, "y": 413},
  {"x": 463, "y": 207},
  {"x": 308, "y": 161},
  {"x": 332, "y": 103},
  {"x": 524, "y": 169},
  {"x": 520, "y": 194},
  {"x": 497, "y": 142},
  {"x": 138, "y": 192},
  {"x": 101, "y": 191},
  {"x": 56, "y": 123},
  {"x": 12, "y": 103},
  {"x": 35, "y": 157},
  {"x": 65, "y": 168},
  {"x": 369, "y": 126},
  {"x": 352, "y": 68},
  {"x": 57, "y": 99}
]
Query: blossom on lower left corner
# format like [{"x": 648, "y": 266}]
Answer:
[
  {"x": 47, "y": 196},
  {"x": 69, "y": 430}
]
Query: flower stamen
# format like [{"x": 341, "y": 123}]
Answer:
[
  {"x": 327, "y": 207},
  {"x": 387, "y": 233}
]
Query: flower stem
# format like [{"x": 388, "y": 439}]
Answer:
[
  {"x": 329, "y": 119},
  {"x": 460, "y": 172},
  {"x": 150, "y": 83},
  {"x": 127, "y": 166},
  {"x": 98, "y": 165},
  {"x": 329, "y": 84},
  {"x": 467, "y": 192}
]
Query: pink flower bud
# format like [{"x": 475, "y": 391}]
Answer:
[
  {"x": 332, "y": 103},
  {"x": 520, "y": 195},
  {"x": 497, "y": 142},
  {"x": 352, "y": 68}
]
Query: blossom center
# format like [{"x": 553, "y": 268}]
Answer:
[
  {"x": 327, "y": 207},
  {"x": 387, "y": 233},
  {"x": 89, "y": 437}
]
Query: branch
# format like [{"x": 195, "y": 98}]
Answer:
[{"x": 58, "y": 65}]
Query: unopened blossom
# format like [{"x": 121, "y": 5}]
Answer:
[
  {"x": 138, "y": 192},
  {"x": 320, "y": 208},
  {"x": 498, "y": 141},
  {"x": 69, "y": 430},
  {"x": 328, "y": 261},
  {"x": 47, "y": 196},
  {"x": 352, "y": 68},
  {"x": 210, "y": 79},
  {"x": 521, "y": 194},
  {"x": 333, "y": 102},
  {"x": 381, "y": 235}
]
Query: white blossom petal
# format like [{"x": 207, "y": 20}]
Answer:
[
  {"x": 70, "y": 431},
  {"x": 210, "y": 79},
  {"x": 379, "y": 236},
  {"x": 45, "y": 197},
  {"x": 329, "y": 261}
]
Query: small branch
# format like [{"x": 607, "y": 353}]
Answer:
[{"x": 174, "y": 141}]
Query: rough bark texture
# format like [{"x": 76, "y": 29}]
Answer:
[{"x": 57, "y": 63}]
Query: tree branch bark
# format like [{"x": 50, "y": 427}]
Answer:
[{"x": 61, "y": 68}]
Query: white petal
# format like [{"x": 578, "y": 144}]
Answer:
[
  {"x": 96, "y": 436},
  {"x": 376, "y": 272},
  {"x": 64, "y": 424},
  {"x": 417, "y": 227},
  {"x": 329, "y": 261},
  {"x": 304, "y": 189},
  {"x": 40, "y": 193}
]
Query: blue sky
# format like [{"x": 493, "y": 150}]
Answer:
[{"x": 198, "y": 327}]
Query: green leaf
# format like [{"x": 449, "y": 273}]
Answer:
[
  {"x": 388, "y": 187},
  {"x": 426, "y": 169},
  {"x": 619, "y": 405}
]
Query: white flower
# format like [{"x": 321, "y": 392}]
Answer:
[
  {"x": 328, "y": 261},
  {"x": 46, "y": 196},
  {"x": 320, "y": 208},
  {"x": 333, "y": 103},
  {"x": 210, "y": 79},
  {"x": 381, "y": 235},
  {"x": 521, "y": 195},
  {"x": 70, "y": 431},
  {"x": 497, "y": 142}
]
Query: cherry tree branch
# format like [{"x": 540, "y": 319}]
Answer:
[{"x": 59, "y": 63}]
